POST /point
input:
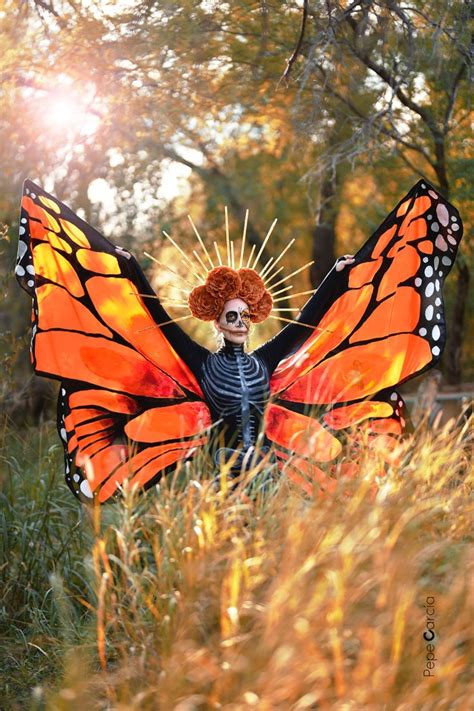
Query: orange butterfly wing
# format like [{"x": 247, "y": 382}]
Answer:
[
  {"x": 129, "y": 406},
  {"x": 384, "y": 325}
]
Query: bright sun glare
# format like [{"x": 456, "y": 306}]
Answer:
[
  {"x": 68, "y": 111},
  {"x": 62, "y": 111}
]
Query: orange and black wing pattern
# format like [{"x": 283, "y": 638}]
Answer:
[
  {"x": 384, "y": 324},
  {"x": 129, "y": 407}
]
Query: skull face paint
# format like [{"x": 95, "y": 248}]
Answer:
[{"x": 234, "y": 321}]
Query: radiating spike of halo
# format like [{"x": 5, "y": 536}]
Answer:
[
  {"x": 289, "y": 320},
  {"x": 166, "y": 266},
  {"x": 280, "y": 291},
  {"x": 268, "y": 280},
  {"x": 174, "y": 300},
  {"x": 267, "y": 237},
  {"x": 232, "y": 255},
  {"x": 297, "y": 271},
  {"x": 252, "y": 251},
  {"x": 165, "y": 323},
  {"x": 301, "y": 323},
  {"x": 183, "y": 254},
  {"x": 163, "y": 299},
  {"x": 292, "y": 320},
  {"x": 204, "y": 248},
  {"x": 300, "y": 293},
  {"x": 227, "y": 238},
  {"x": 219, "y": 258},
  {"x": 285, "y": 309},
  {"x": 268, "y": 277},
  {"x": 143, "y": 296},
  {"x": 244, "y": 237},
  {"x": 266, "y": 266},
  {"x": 200, "y": 261}
]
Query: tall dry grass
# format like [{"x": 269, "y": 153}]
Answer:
[{"x": 197, "y": 599}]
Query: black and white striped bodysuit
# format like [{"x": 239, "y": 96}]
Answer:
[
  {"x": 236, "y": 384},
  {"x": 236, "y": 387}
]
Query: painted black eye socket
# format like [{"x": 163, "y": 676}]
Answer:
[{"x": 231, "y": 316}]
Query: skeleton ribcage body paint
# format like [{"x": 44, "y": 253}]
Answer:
[{"x": 236, "y": 386}]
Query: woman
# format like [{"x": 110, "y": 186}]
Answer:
[
  {"x": 129, "y": 373},
  {"x": 236, "y": 384}
]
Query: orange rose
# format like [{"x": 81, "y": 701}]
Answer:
[
  {"x": 223, "y": 283},
  {"x": 204, "y": 305},
  {"x": 253, "y": 288},
  {"x": 262, "y": 309},
  {"x": 206, "y": 302}
]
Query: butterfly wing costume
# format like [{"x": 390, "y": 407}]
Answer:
[{"x": 138, "y": 395}]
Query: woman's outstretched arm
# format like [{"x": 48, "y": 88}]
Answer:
[
  {"x": 191, "y": 352},
  {"x": 293, "y": 335}
]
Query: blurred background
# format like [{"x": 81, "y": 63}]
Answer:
[{"x": 322, "y": 115}]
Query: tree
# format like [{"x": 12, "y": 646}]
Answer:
[
  {"x": 199, "y": 84},
  {"x": 398, "y": 74}
]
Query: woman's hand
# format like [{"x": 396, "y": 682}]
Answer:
[{"x": 344, "y": 261}]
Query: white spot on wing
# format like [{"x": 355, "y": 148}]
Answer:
[
  {"x": 86, "y": 489},
  {"x": 429, "y": 312},
  {"x": 442, "y": 214},
  {"x": 22, "y": 247},
  {"x": 436, "y": 350},
  {"x": 441, "y": 243},
  {"x": 436, "y": 333},
  {"x": 429, "y": 290}
]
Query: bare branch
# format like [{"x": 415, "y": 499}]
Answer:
[
  {"x": 392, "y": 133},
  {"x": 297, "y": 50},
  {"x": 452, "y": 96}
]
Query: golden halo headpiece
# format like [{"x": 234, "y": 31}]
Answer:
[{"x": 233, "y": 279}]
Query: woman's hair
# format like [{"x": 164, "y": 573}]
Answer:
[{"x": 206, "y": 302}]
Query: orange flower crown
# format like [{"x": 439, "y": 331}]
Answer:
[{"x": 206, "y": 302}]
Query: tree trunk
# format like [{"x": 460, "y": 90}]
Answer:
[
  {"x": 456, "y": 328},
  {"x": 324, "y": 234}
]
